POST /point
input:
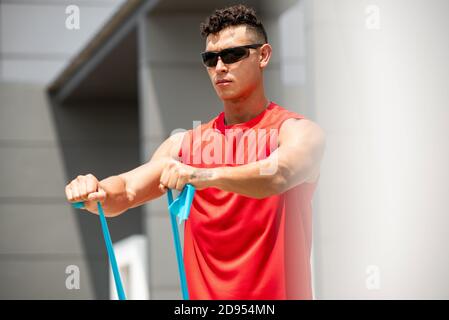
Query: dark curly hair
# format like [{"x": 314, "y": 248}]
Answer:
[{"x": 233, "y": 16}]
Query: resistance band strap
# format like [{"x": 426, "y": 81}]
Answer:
[
  {"x": 180, "y": 208},
  {"x": 110, "y": 249}
]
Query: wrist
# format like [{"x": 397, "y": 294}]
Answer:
[
  {"x": 217, "y": 175},
  {"x": 204, "y": 178}
]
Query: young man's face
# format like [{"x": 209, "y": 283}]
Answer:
[{"x": 244, "y": 76}]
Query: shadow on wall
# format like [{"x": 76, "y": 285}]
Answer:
[{"x": 101, "y": 138}]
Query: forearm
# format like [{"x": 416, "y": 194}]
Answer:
[
  {"x": 257, "y": 179},
  {"x": 273, "y": 175},
  {"x": 117, "y": 199}
]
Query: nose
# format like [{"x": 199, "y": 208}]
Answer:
[{"x": 220, "y": 67}]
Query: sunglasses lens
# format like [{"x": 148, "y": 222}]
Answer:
[
  {"x": 210, "y": 59},
  {"x": 234, "y": 54},
  {"x": 230, "y": 55}
]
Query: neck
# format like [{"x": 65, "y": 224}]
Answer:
[{"x": 245, "y": 108}]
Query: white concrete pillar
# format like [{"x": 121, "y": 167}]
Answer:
[{"x": 379, "y": 75}]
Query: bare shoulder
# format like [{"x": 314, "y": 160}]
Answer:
[
  {"x": 301, "y": 126},
  {"x": 170, "y": 146}
]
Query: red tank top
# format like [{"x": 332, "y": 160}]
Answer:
[{"x": 237, "y": 247}]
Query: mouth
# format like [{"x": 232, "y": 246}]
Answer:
[{"x": 222, "y": 82}]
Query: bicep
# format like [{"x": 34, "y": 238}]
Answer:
[
  {"x": 301, "y": 147},
  {"x": 142, "y": 183}
]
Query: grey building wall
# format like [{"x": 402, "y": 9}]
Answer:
[
  {"x": 34, "y": 42},
  {"x": 43, "y": 146}
]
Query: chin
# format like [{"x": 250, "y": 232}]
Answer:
[{"x": 228, "y": 95}]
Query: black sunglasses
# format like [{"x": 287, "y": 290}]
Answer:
[{"x": 228, "y": 55}]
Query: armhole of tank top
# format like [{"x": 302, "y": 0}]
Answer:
[
  {"x": 289, "y": 116},
  {"x": 185, "y": 136}
]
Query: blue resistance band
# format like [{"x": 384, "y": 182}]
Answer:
[
  {"x": 107, "y": 239},
  {"x": 180, "y": 208}
]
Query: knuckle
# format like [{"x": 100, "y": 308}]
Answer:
[{"x": 89, "y": 191}]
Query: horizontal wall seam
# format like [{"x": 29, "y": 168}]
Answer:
[
  {"x": 34, "y": 56},
  {"x": 33, "y": 200},
  {"x": 51, "y": 256},
  {"x": 23, "y": 143},
  {"x": 59, "y": 3}
]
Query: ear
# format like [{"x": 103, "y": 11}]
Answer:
[{"x": 265, "y": 55}]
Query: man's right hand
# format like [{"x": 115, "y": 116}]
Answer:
[{"x": 85, "y": 188}]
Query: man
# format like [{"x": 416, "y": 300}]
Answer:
[{"x": 248, "y": 235}]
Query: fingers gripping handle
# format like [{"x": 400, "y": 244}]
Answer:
[{"x": 181, "y": 206}]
